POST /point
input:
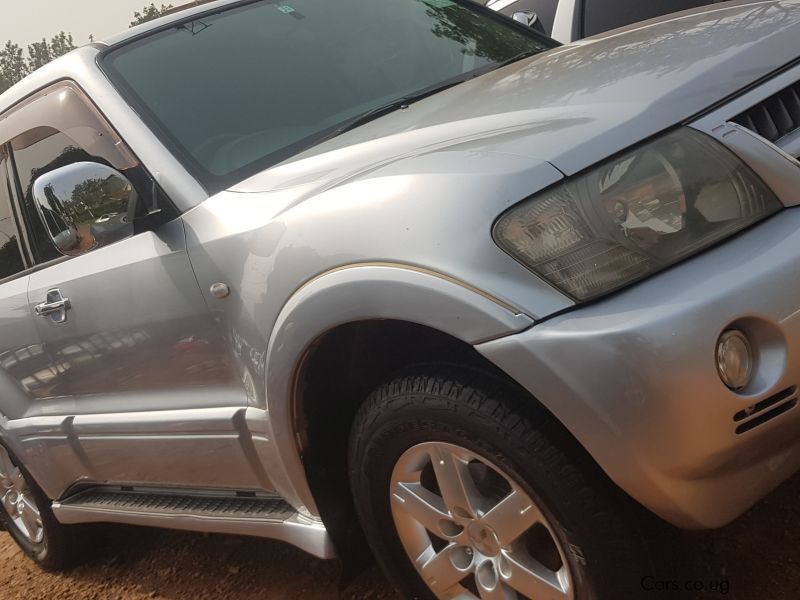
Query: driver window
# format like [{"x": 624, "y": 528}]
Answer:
[{"x": 57, "y": 128}]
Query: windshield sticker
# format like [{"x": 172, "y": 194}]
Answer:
[{"x": 288, "y": 10}]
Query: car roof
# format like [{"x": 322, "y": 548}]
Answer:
[
  {"x": 165, "y": 21},
  {"x": 76, "y": 61}
]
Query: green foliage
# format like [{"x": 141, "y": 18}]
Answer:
[
  {"x": 14, "y": 65},
  {"x": 41, "y": 53},
  {"x": 61, "y": 44},
  {"x": 38, "y": 55},
  {"x": 86, "y": 196},
  {"x": 149, "y": 13}
]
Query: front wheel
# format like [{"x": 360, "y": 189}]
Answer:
[{"x": 465, "y": 492}]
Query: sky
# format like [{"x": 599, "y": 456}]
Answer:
[{"x": 26, "y": 21}]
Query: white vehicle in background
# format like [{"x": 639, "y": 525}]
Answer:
[
  {"x": 570, "y": 20},
  {"x": 106, "y": 217}
]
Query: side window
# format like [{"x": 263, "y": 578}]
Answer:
[
  {"x": 602, "y": 15},
  {"x": 56, "y": 129},
  {"x": 11, "y": 261}
]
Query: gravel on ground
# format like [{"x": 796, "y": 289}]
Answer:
[{"x": 755, "y": 558}]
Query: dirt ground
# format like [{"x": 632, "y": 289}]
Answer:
[{"x": 756, "y": 558}]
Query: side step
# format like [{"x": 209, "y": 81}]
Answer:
[{"x": 266, "y": 516}]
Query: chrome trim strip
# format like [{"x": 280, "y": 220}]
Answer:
[{"x": 514, "y": 311}]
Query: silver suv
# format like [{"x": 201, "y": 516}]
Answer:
[{"x": 404, "y": 276}]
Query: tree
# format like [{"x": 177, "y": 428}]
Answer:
[
  {"x": 149, "y": 13},
  {"x": 87, "y": 195},
  {"x": 41, "y": 53},
  {"x": 12, "y": 65},
  {"x": 38, "y": 55},
  {"x": 61, "y": 44}
]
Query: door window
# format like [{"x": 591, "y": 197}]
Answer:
[
  {"x": 602, "y": 15},
  {"x": 11, "y": 260},
  {"x": 58, "y": 128}
]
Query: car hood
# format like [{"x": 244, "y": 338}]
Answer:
[{"x": 574, "y": 105}]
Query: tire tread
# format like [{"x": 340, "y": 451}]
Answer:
[{"x": 488, "y": 403}]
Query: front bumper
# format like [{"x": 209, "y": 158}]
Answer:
[{"x": 633, "y": 377}]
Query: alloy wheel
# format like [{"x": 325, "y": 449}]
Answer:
[
  {"x": 18, "y": 501},
  {"x": 472, "y": 531}
]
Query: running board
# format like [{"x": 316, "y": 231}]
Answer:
[{"x": 253, "y": 515}]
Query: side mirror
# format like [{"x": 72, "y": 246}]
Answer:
[
  {"x": 85, "y": 206},
  {"x": 529, "y": 18}
]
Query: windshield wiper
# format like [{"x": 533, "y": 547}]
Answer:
[
  {"x": 405, "y": 101},
  {"x": 515, "y": 58},
  {"x": 383, "y": 109},
  {"x": 397, "y": 104}
]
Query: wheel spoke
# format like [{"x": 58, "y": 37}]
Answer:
[
  {"x": 532, "y": 579},
  {"x": 440, "y": 574},
  {"x": 512, "y": 517},
  {"x": 455, "y": 482},
  {"x": 456, "y": 502},
  {"x": 6, "y": 466},
  {"x": 17, "y": 480},
  {"x": 8, "y": 504},
  {"x": 31, "y": 520},
  {"x": 422, "y": 505}
]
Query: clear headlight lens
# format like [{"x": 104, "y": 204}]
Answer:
[{"x": 635, "y": 215}]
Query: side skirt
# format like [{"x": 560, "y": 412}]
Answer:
[{"x": 258, "y": 515}]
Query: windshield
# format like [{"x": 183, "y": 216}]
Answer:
[{"x": 239, "y": 90}]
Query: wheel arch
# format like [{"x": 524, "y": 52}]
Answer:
[{"x": 348, "y": 297}]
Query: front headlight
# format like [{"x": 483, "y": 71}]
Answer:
[{"x": 635, "y": 215}]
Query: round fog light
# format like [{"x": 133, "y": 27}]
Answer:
[{"x": 734, "y": 359}]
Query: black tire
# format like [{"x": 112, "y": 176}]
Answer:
[
  {"x": 498, "y": 421},
  {"x": 61, "y": 548}
]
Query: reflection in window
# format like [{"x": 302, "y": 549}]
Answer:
[
  {"x": 11, "y": 261},
  {"x": 56, "y": 129},
  {"x": 253, "y": 85},
  {"x": 53, "y": 150}
]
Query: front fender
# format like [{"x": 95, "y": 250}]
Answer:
[{"x": 362, "y": 292}]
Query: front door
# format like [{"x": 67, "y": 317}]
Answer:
[
  {"x": 141, "y": 387},
  {"x": 24, "y": 368}
]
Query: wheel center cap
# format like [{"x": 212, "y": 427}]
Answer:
[{"x": 483, "y": 539}]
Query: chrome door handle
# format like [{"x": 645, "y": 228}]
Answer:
[
  {"x": 48, "y": 308},
  {"x": 56, "y": 306}
]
